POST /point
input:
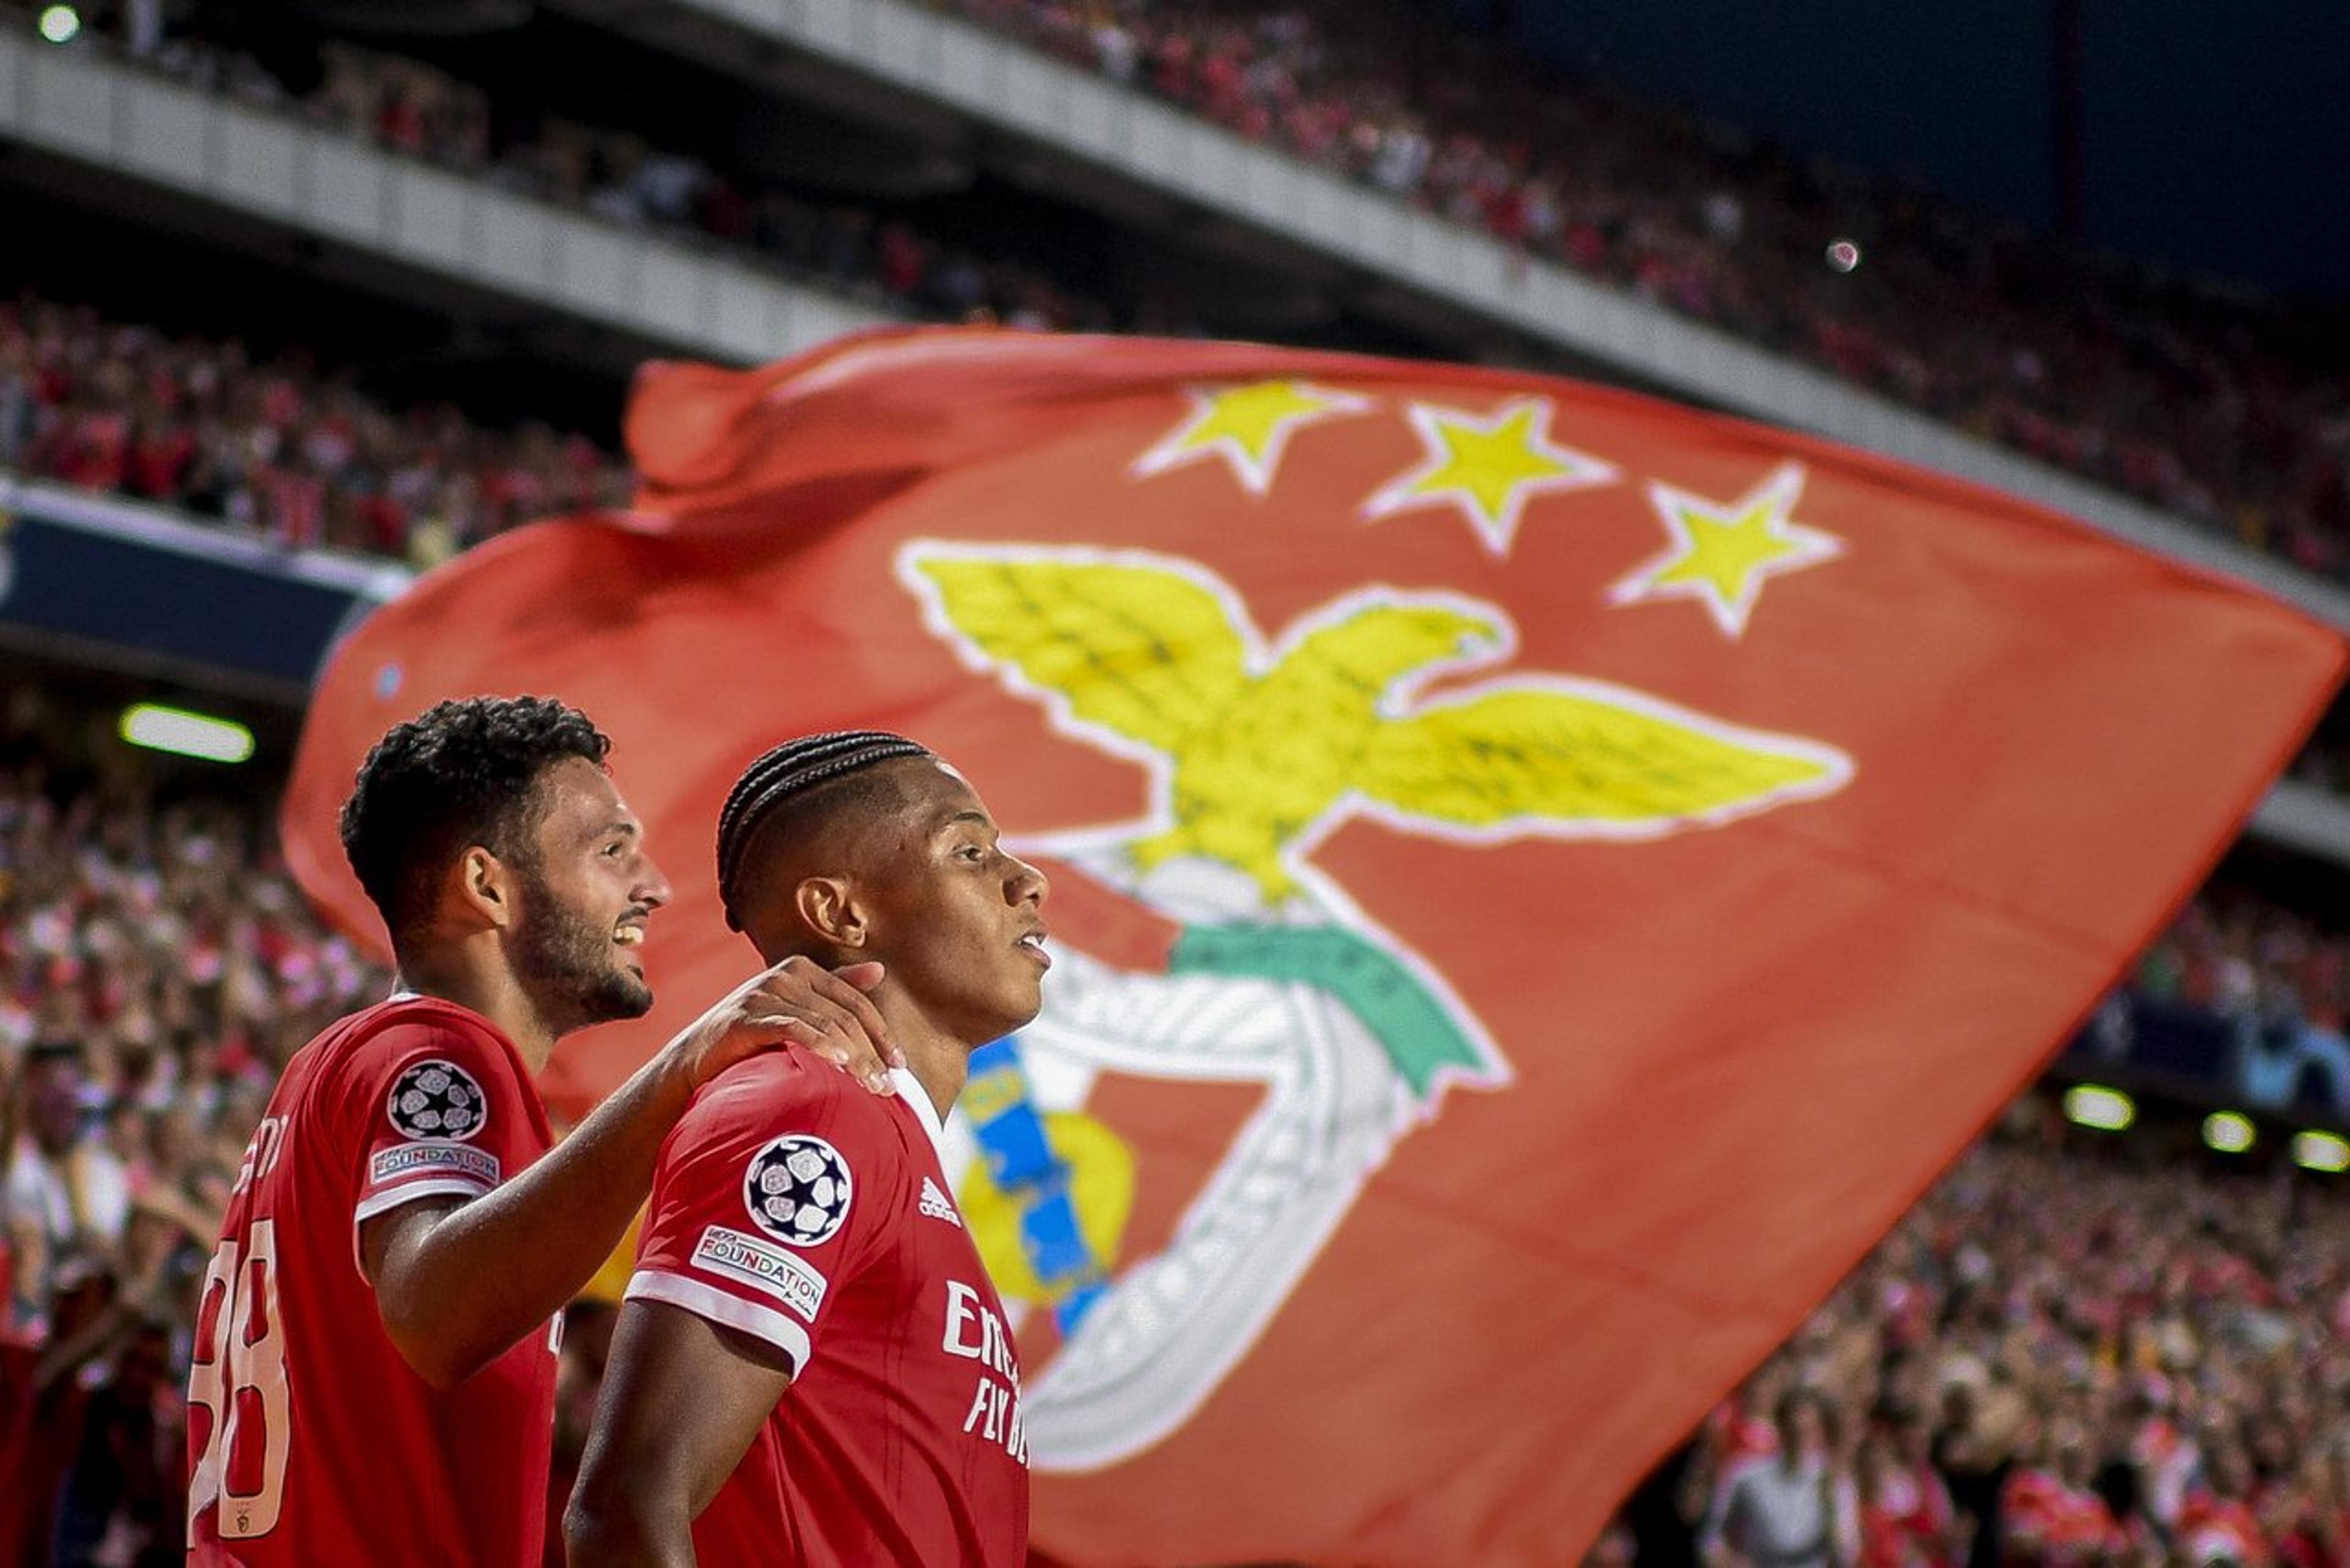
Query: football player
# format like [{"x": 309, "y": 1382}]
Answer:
[
  {"x": 810, "y": 1364},
  {"x": 374, "y": 1362}
]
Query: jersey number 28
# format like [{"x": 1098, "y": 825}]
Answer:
[{"x": 238, "y": 1379}]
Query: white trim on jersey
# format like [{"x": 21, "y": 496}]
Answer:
[
  {"x": 391, "y": 1198},
  {"x": 911, "y": 1090},
  {"x": 709, "y": 1301}
]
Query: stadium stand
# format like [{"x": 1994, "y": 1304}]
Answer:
[
  {"x": 2202, "y": 402},
  {"x": 2186, "y": 397},
  {"x": 2061, "y": 1356},
  {"x": 282, "y": 447},
  {"x": 2076, "y": 1348}
]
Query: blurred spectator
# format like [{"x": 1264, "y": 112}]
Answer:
[
  {"x": 1906, "y": 1518},
  {"x": 64, "y": 1185},
  {"x": 1793, "y": 1508},
  {"x": 2051, "y": 1515},
  {"x": 122, "y": 1497}
]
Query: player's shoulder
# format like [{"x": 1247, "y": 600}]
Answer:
[
  {"x": 786, "y": 1080},
  {"x": 410, "y": 1022},
  {"x": 787, "y": 1090},
  {"x": 402, "y": 1033}
]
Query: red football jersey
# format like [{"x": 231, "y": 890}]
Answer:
[
  {"x": 311, "y": 1440},
  {"x": 790, "y": 1204}
]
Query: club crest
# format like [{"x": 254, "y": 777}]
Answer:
[{"x": 1257, "y": 748}]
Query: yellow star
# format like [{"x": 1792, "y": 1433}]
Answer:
[
  {"x": 1489, "y": 467},
  {"x": 1721, "y": 555},
  {"x": 1248, "y": 426}
]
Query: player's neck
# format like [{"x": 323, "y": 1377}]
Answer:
[
  {"x": 485, "y": 984},
  {"x": 938, "y": 1059},
  {"x": 939, "y": 1062}
]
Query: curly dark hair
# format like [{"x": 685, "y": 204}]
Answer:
[{"x": 460, "y": 773}]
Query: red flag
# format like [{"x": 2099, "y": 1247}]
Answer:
[{"x": 1543, "y": 877}]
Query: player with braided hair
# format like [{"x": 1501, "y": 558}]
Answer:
[
  {"x": 374, "y": 1372},
  {"x": 798, "y": 768},
  {"x": 811, "y": 1365}
]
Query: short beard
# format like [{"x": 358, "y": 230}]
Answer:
[{"x": 567, "y": 966}]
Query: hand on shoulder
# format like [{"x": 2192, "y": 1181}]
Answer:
[{"x": 797, "y": 1001}]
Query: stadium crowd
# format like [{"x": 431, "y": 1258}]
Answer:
[
  {"x": 159, "y": 968},
  {"x": 2195, "y": 401},
  {"x": 2188, "y": 398},
  {"x": 297, "y": 450},
  {"x": 282, "y": 445},
  {"x": 2233, "y": 951},
  {"x": 2063, "y": 1356},
  {"x": 2058, "y": 1357}
]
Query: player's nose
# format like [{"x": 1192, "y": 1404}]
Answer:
[
  {"x": 652, "y": 890},
  {"x": 1027, "y": 884}
]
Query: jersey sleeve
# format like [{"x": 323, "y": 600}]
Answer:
[
  {"x": 440, "y": 1111},
  {"x": 770, "y": 1197}
]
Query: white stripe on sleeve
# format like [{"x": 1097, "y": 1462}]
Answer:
[{"x": 709, "y": 1301}]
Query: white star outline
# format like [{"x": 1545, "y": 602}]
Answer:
[
  {"x": 1782, "y": 489},
  {"x": 1175, "y": 449},
  {"x": 1498, "y": 534}
]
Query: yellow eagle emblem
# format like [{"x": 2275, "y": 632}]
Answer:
[{"x": 1263, "y": 749}]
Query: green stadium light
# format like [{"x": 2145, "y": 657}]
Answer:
[
  {"x": 2321, "y": 1151},
  {"x": 2227, "y": 1132},
  {"x": 60, "y": 23},
  {"x": 2095, "y": 1105},
  {"x": 185, "y": 734}
]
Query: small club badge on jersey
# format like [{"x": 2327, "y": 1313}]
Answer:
[
  {"x": 797, "y": 1189},
  {"x": 437, "y": 1099}
]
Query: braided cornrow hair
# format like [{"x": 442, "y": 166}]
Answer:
[{"x": 792, "y": 768}]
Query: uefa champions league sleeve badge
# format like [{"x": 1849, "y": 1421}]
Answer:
[{"x": 797, "y": 1189}]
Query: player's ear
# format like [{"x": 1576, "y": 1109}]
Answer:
[
  {"x": 484, "y": 886},
  {"x": 829, "y": 908}
]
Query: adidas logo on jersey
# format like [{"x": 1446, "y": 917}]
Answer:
[{"x": 936, "y": 1205}]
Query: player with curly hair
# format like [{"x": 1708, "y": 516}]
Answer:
[{"x": 374, "y": 1370}]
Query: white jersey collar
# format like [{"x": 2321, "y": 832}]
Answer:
[{"x": 918, "y": 1100}]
